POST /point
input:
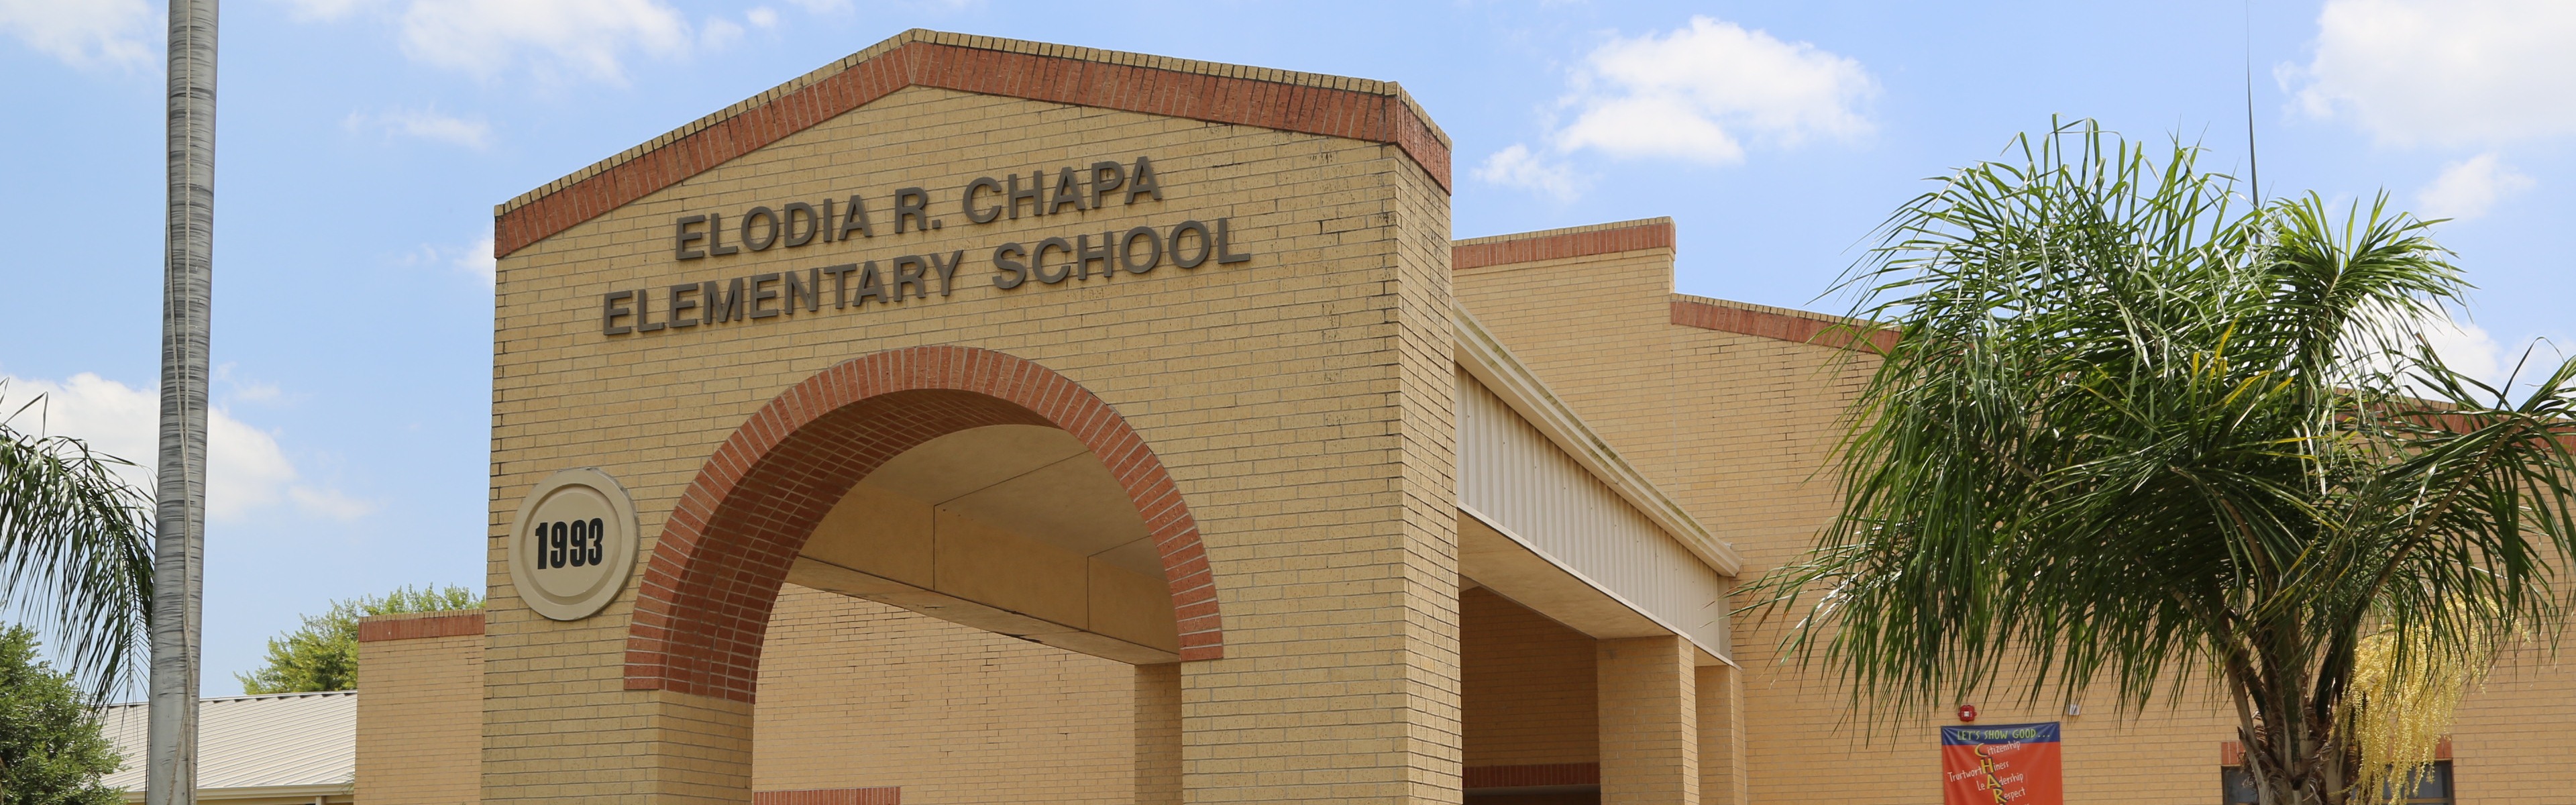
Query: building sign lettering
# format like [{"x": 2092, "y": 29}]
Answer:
[{"x": 1082, "y": 257}]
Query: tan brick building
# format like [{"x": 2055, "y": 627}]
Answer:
[{"x": 1012, "y": 422}]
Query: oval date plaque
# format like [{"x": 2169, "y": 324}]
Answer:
[{"x": 573, "y": 544}]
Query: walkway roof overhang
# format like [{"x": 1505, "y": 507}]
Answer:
[{"x": 1485, "y": 358}]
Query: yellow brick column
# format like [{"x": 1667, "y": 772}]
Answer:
[
  {"x": 560, "y": 726},
  {"x": 1722, "y": 779},
  {"x": 420, "y": 726},
  {"x": 1336, "y": 564},
  {"x": 1158, "y": 734},
  {"x": 1649, "y": 700}
]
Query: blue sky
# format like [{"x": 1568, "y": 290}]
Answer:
[{"x": 363, "y": 142}]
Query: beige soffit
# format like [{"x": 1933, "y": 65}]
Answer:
[
  {"x": 295, "y": 744},
  {"x": 1490, "y": 363}
]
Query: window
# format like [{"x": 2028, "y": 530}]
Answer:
[
  {"x": 2434, "y": 788},
  {"x": 2239, "y": 785}
]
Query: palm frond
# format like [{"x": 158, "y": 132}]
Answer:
[
  {"x": 2132, "y": 430},
  {"x": 74, "y": 549}
]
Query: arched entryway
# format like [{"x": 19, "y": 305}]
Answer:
[{"x": 704, "y": 601}]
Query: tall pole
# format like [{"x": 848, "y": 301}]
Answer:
[{"x": 179, "y": 539}]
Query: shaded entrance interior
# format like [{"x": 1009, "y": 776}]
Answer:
[
  {"x": 1014, "y": 529},
  {"x": 976, "y": 620},
  {"x": 1531, "y": 719},
  {"x": 971, "y": 713}
]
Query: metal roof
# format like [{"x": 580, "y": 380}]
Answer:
[{"x": 264, "y": 742}]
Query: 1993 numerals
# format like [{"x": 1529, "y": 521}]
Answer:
[{"x": 576, "y": 543}]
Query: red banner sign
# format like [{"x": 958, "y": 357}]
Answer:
[{"x": 2005, "y": 764}]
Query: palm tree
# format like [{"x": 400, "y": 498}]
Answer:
[
  {"x": 2134, "y": 432},
  {"x": 179, "y": 533},
  {"x": 73, "y": 540}
]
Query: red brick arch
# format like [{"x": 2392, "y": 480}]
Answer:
[{"x": 703, "y": 604}]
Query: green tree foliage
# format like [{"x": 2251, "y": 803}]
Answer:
[
  {"x": 323, "y": 653},
  {"x": 51, "y": 752},
  {"x": 2136, "y": 433},
  {"x": 74, "y": 550}
]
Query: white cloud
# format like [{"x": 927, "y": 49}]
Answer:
[
  {"x": 845, "y": 6},
  {"x": 115, "y": 419},
  {"x": 329, "y": 503},
  {"x": 1700, "y": 93},
  {"x": 1651, "y": 126},
  {"x": 473, "y": 259},
  {"x": 426, "y": 124},
  {"x": 2446, "y": 72},
  {"x": 1697, "y": 93},
  {"x": 719, "y": 33},
  {"x": 84, "y": 33},
  {"x": 1517, "y": 167},
  {"x": 555, "y": 39},
  {"x": 246, "y": 470},
  {"x": 231, "y": 387},
  {"x": 478, "y": 261},
  {"x": 2465, "y": 347},
  {"x": 2467, "y": 189},
  {"x": 256, "y": 392}
]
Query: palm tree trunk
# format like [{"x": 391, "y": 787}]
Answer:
[{"x": 179, "y": 541}]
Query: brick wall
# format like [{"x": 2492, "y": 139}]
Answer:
[
  {"x": 856, "y": 694},
  {"x": 1300, "y": 403},
  {"x": 1731, "y": 407},
  {"x": 1649, "y": 705},
  {"x": 865, "y": 704},
  {"x": 2512, "y": 741},
  {"x": 1528, "y": 683},
  {"x": 420, "y": 714}
]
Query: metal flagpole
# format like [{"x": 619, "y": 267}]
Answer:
[{"x": 179, "y": 539}]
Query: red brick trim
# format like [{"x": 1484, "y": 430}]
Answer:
[
  {"x": 1342, "y": 113},
  {"x": 883, "y": 795},
  {"x": 397, "y": 627},
  {"x": 703, "y": 604},
  {"x": 1766, "y": 324},
  {"x": 1658, "y": 235},
  {"x": 1535, "y": 774}
]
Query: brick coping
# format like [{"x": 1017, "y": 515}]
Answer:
[
  {"x": 1790, "y": 312},
  {"x": 410, "y": 626},
  {"x": 1362, "y": 109},
  {"x": 1742, "y": 318},
  {"x": 1558, "y": 244},
  {"x": 1662, "y": 220},
  {"x": 1746, "y": 318}
]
